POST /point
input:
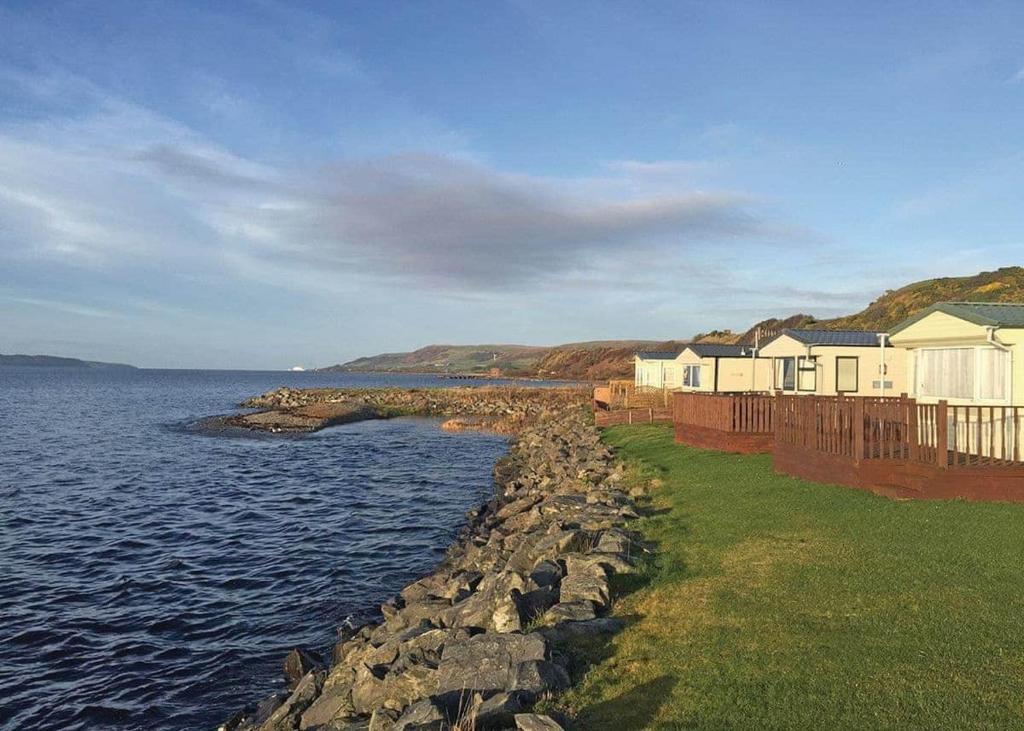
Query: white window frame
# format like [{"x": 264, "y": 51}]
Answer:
[
  {"x": 688, "y": 372},
  {"x": 975, "y": 398},
  {"x": 779, "y": 367},
  {"x": 856, "y": 373},
  {"x": 806, "y": 364}
]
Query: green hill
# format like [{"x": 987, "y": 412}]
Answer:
[
  {"x": 1002, "y": 285},
  {"x": 588, "y": 360}
]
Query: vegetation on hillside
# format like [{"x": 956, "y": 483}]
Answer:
[
  {"x": 614, "y": 359},
  {"x": 583, "y": 361},
  {"x": 1002, "y": 285},
  {"x": 451, "y": 358},
  {"x": 761, "y": 330},
  {"x": 596, "y": 363},
  {"x": 777, "y": 603}
]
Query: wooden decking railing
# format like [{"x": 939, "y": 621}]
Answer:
[
  {"x": 742, "y": 412},
  {"x": 603, "y": 418},
  {"x": 732, "y": 422},
  {"x": 865, "y": 428}
]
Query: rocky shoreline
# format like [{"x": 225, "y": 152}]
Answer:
[
  {"x": 504, "y": 409},
  {"x": 491, "y": 631}
]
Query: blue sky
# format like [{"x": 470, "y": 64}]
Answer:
[{"x": 261, "y": 185}]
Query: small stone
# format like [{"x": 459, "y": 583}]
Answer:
[{"x": 536, "y": 722}]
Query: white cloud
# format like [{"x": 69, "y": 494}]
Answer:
[{"x": 118, "y": 186}]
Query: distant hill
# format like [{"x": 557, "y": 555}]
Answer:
[
  {"x": 597, "y": 361},
  {"x": 449, "y": 358},
  {"x": 53, "y": 361},
  {"x": 601, "y": 360},
  {"x": 588, "y": 360}
]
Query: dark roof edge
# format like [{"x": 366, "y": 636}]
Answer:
[
  {"x": 790, "y": 330},
  {"x": 945, "y": 308}
]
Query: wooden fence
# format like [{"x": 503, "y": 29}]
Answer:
[
  {"x": 899, "y": 447},
  {"x": 740, "y": 422},
  {"x": 942, "y": 435},
  {"x": 632, "y": 416},
  {"x": 742, "y": 412},
  {"x": 624, "y": 394}
]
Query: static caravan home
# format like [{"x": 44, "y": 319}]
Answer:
[
  {"x": 830, "y": 362},
  {"x": 722, "y": 368},
  {"x": 968, "y": 353},
  {"x": 655, "y": 370}
]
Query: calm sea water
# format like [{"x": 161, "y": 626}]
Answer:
[{"x": 153, "y": 577}]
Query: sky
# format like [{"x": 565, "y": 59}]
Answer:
[{"x": 267, "y": 184}]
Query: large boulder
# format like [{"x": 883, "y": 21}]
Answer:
[{"x": 492, "y": 662}]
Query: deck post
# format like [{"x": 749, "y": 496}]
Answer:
[
  {"x": 858, "y": 429},
  {"x": 941, "y": 436},
  {"x": 913, "y": 438}
]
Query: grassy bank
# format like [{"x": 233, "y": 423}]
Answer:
[{"x": 777, "y": 603}]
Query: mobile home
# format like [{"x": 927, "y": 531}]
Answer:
[
  {"x": 969, "y": 353},
  {"x": 831, "y": 362}
]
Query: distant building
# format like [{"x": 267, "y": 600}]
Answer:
[
  {"x": 720, "y": 368},
  {"x": 654, "y": 369}
]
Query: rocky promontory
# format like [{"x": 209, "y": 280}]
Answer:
[
  {"x": 490, "y": 632},
  {"x": 503, "y": 409}
]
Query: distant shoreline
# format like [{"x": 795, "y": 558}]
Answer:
[{"x": 451, "y": 376}]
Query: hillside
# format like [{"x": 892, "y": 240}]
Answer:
[
  {"x": 601, "y": 360},
  {"x": 767, "y": 328},
  {"x": 450, "y": 358},
  {"x": 609, "y": 360},
  {"x": 53, "y": 361},
  {"x": 1002, "y": 285},
  {"x": 588, "y": 360}
]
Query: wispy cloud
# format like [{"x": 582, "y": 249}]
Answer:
[
  {"x": 70, "y": 308},
  {"x": 125, "y": 186}
]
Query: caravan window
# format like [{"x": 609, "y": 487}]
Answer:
[
  {"x": 976, "y": 374},
  {"x": 785, "y": 374},
  {"x": 807, "y": 373},
  {"x": 691, "y": 376},
  {"x": 846, "y": 374}
]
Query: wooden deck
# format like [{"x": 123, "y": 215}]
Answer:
[
  {"x": 739, "y": 423},
  {"x": 901, "y": 448}
]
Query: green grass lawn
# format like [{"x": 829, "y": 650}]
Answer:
[{"x": 778, "y": 603}]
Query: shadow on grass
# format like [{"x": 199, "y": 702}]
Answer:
[
  {"x": 639, "y": 705},
  {"x": 648, "y": 511}
]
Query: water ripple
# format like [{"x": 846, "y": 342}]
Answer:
[{"x": 152, "y": 577}]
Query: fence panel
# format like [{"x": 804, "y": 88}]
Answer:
[{"x": 734, "y": 413}]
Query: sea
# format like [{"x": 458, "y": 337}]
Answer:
[{"x": 153, "y": 575}]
